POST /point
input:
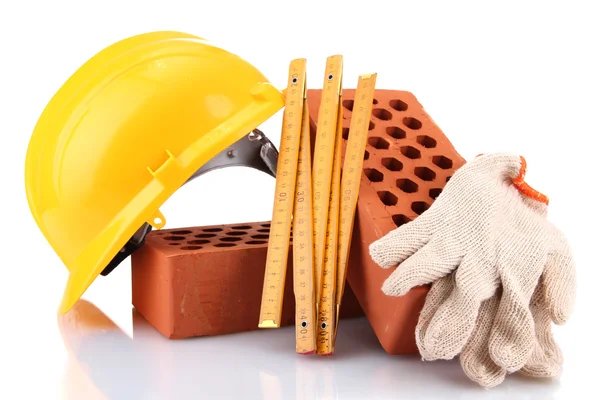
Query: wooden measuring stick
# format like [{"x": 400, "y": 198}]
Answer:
[
  {"x": 285, "y": 187},
  {"x": 351, "y": 176},
  {"x": 326, "y": 314},
  {"x": 302, "y": 236},
  {"x": 323, "y": 158}
]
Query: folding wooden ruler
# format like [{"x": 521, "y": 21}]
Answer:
[
  {"x": 343, "y": 200},
  {"x": 318, "y": 203},
  {"x": 326, "y": 200},
  {"x": 323, "y": 157},
  {"x": 351, "y": 177},
  {"x": 302, "y": 235},
  {"x": 285, "y": 188},
  {"x": 326, "y": 311}
]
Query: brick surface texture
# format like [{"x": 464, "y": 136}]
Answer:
[{"x": 206, "y": 281}]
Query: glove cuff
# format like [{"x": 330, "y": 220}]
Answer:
[{"x": 524, "y": 188}]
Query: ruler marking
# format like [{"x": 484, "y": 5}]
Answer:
[
  {"x": 323, "y": 158},
  {"x": 351, "y": 176},
  {"x": 303, "y": 246},
  {"x": 328, "y": 281},
  {"x": 281, "y": 221},
  {"x": 317, "y": 205}
]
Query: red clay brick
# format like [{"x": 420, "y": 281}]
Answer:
[
  {"x": 205, "y": 281},
  {"x": 409, "y": 162}
]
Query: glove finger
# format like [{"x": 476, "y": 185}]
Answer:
[
  {"x": 439, "y": 292},
  {"x": 547, "y": 358},
  {"x": 402, "y": 242},
  {"x": 543, "y": 326},
  {"x": 513, "y": 335},
  {"x": 453, "y": 323},
  {"x": 475, "y": 358},
  {"x": 540, "y": 366},
  {"x": 433, "y": 261},
  {"x": 559, "y": 281}
]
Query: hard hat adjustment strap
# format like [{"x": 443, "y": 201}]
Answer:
[
  {"x": 254, "y": 150},
  {"x": 137, "y": 240}
]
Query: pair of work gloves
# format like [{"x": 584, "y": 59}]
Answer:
[{"x": 500, "y": 273}]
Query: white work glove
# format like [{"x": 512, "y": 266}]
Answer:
[
  {"x": 490, "y": 229},
  {"x": 475, "y": 359}
]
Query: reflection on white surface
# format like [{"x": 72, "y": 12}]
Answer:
[{"x": 106, "y": 363}]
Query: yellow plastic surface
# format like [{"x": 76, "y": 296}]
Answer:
[{"x": 125, "y": 132}]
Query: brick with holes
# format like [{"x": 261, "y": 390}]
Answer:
[
  {"x": 408, "y": 161},
  {"x": 206, "y": 281}
]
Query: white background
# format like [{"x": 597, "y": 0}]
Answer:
[{"x": 517, "y": 76}]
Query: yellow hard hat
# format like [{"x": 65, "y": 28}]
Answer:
[{"x": 131, "y": 126}]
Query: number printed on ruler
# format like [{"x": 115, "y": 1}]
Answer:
[
  {"x": 323, "y": 156},
  {"x": 285, "y": 186},
  {"x": 352, "y": 174},
  {"x": 327, "y": 301},
  {"x": 303, "y": 246}
]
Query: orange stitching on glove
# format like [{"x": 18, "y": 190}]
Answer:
[{"x": 524, "y": 188}]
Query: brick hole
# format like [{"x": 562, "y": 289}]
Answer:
[
  {"x": 407, "y": 186},
  {"x": 224, "y": 244},
  {"x": 257, "y": 242},
  {"x": 198, "y": 241},
  {"x": 448, "y": 178},
  {"x": 419, "y": 207},
  {"x": 395, "y": 132},
  {"x": 260, "y": 237},
  {"x": 174, "y": 238},
  {"x": 392, "y": 164},
  {"x": 230, "y": 239},
  {"x": 348, "y": 104},
  {"x": 345, "y": 133},
  {"x": 398, "y": 105},
  {"x": 212, "y": 230},
  {"x": 266, "y": 225},
  {"x": 400, "y": 219},
  {"x": 434, "y": 193},
  {"x": 382, "y": 114},
  {"x": 205, "y": 235},
  {"x": 375, "y": 101},
  {"x": 241, "y": 227},
  {"x": 373, "y": 175},
  {"x": 426, "y": 141},
  {"x": 442, "y": 162},
  {"x": 378, "y": 143},
  {"x": 183, "y": 232},
  {"x": 410, "y": 152},
  {"x": 425, "y": 173},
  {"x": 191, "y": 247},
  {"x": 387, "y": 198},
  {"x": 412, "y": 123},
  {"x": 366, "y": 155},
  {"x": 236, "y": 233},
  {"x": 263, "y": 230},
  {"x": 371, "y": 125}
]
